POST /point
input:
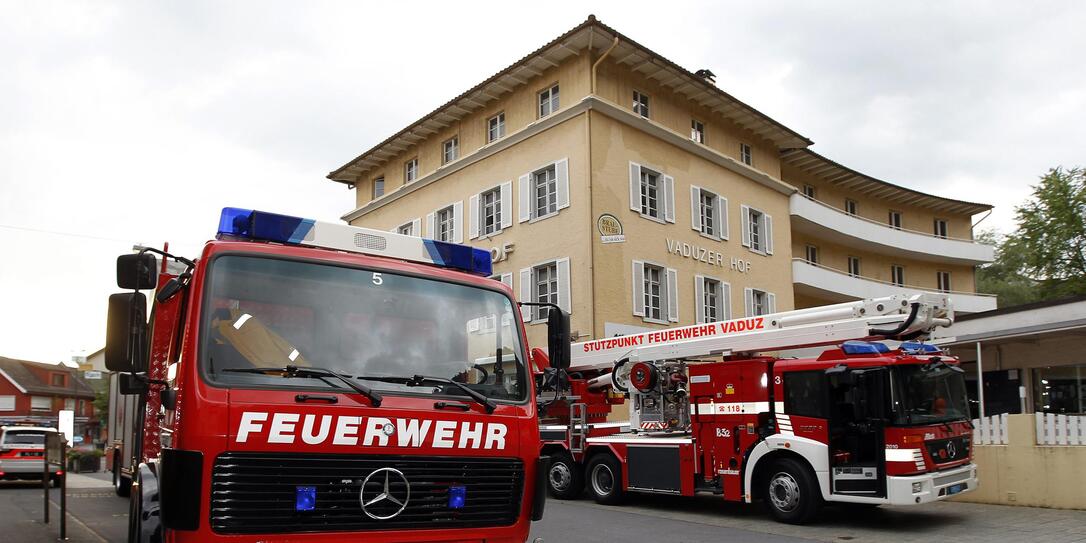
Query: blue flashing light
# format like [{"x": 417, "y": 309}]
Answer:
[
  {"x": 864, "y": 347},
  {"x": 458, "y": 494},
  {"x": 915, "y": 347},
  {"x": 461, "y": 257},
  {"x": 247, "y": 223},
  {"x": 305, "y": 498}
]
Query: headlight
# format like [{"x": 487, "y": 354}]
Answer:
[{"x": 918, "y": 487}]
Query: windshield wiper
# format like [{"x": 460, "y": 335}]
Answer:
[
  {"x": 315, "y": 373},
  {"x": 421, "y": 380}
]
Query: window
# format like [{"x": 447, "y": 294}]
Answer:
[
  {"x": 490, "y": 203},
  {"x": 757, "y": 230},
  {"x": 652, "y": 194},
  {"x": 7, "y": 403},
  {"x": 544, "y": 192},
  {"x": 444, "y": 225},
  {"x": 406, "y": 229},
  {"x": 547, "y": 282},
  {"x": 897, "y": 275},
  {"x": 940, "y": 228},
  {"x": 379, "y": 187},
  {"x": 81, "y": 407},
  {"x": 809, "y": 191},
  {"x": 641, "y": 104},
  {"x": 450, "y": 150},
  {"x": 942, "y": 278},
  {"x": 1059, "y": 389},
  {"x": 41, "y": 403},
  {"x": 894, "y": 220},
  {"x": 712, "y": 299},
  {"x": 745, "y": 154},
  {"x": 812, "y": 254},
  {"x": 854, "y": 266},
  {"x": 548, "y": 101},
  {"x": 805, "y": 393},
  {"x": 57, "y": 380},
  {"x": 495, "y": 128},
  {"x": 655, "y": 292},
  {"x": 708, "y": 213},
  {"x": 697, "y": 131},
  {"x": 411, "y": 170},
  {"x": 544, "y": 287},
  {"x": 850, "y": 206},
  {"x": 69, "y": 404},
  {"x": 759, "y": 302}
]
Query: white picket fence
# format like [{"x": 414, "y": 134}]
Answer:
[
  {"x": 990, "y": 430},
  {"x": 1053, "y": 429}
]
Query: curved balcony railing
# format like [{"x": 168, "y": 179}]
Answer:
[
  {"x": 823, "y": 221},
  {"x": 824, "y": 281}
]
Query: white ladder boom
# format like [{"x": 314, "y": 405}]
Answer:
[{"x": 895, "y": 316}]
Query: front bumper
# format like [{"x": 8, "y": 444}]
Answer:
[{"x": 932, "y": 486}]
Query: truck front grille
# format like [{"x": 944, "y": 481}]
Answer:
[{"x": 257, "y": 492}]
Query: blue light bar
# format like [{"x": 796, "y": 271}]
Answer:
[
  {"x": 263, "y": 226},
  {"x": 458, "y": 494},
  {"x": 305, "y": 498},
  {"x": 915, "y": 347},
  {"x": 864, "y": 347}
]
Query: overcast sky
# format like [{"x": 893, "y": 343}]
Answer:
[{"x": 125, "y": 123}]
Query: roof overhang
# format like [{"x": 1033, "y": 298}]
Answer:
[{"x": 820, "y": 167}]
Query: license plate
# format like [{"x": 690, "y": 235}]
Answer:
[{"x": 955, "y": 489}]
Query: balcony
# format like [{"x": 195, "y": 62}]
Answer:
[
  {"x": 836, "y": 286},
  {"x": 825, "y": 222}
]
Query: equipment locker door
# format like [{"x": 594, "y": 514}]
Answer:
[{"x": 857, "y": 421}]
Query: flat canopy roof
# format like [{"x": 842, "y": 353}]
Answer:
[{"x": 594, "y": 36}]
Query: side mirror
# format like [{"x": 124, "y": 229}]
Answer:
[
  {"x": 126, "y": 332},
  {"x": 129, "y": 384},
  {"x": 137, "y": 271},
  {"x": 558, "y": 348}
]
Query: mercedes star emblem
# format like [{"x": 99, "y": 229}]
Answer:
[
  {"x": 951, "y": 450},
  {"x": 389, "y": 498}
]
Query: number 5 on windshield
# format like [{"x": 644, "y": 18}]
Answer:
[{"x": 377, "y": 279}]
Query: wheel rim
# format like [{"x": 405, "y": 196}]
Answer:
[
  {"x": 603, "y": 480},
  {"x": 561, "y": 476},
  {"x": 784, "y": 492}
]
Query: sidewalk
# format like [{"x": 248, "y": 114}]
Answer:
[{"x": 21, "y": 508}]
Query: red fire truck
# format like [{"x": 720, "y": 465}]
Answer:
[
  {"x": 858, "y": 423},
  {"x": 310, "y": 381}
]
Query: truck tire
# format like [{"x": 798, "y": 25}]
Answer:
[
  {"x": 121, "y": 485},
  {"x": 791, "y": 492},
  {"x": 604, "y": 474},
  {"x": 565, "y": 480}
]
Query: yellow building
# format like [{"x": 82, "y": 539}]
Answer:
[{"x": 636, "y": 194}]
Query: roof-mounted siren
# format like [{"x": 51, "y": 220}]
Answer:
[
  {"x": 252, "y": 225},
  {"x": 707, "y": 75}
]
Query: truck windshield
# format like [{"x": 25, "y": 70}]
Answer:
[
  {"x": 262, "y": 312},
  {"x": 928, "y": 394}
]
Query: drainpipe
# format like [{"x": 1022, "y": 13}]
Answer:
[
  {"x": 599, "y": 60},
  {"x": 980, "y": 385},
  {"x": 591, "y": 208}
]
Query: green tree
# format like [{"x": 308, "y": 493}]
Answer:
[
  {"x": 101, "y": 407},
  {"x": 1005, "y": 277}
]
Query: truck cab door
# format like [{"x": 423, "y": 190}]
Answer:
[{"x": 857, "y": 421}]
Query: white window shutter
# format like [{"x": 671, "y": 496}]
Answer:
[
  {"x": 748, "y": 301},
  {"x": 772, "y": 301},
  {"x": 669, "y": 198},
  {"x": 473, "y": 216},
  {"x": 507, "y": 204},
  {"x": 525, "y": 186},
  {"x": 638, "y": 288},
  {"x": 699, "y": 299},
  {"x": 635, "y": 187},
  {"x": 561, "y": 172},
  {"x": 563, "y": 285},
  {"x": 695, "y": 208},
  {"x": 744, "y": 224},
  {"x": 507, "y": 278},
  {"x": 725, "y": 301},
  {"x": 526, "y": 293},
  {"x": 458, "y": 222},
  {"x": 672, "y": 295},
  {"x": 768, "y": 234},
  {"x": 722, "y": 212},
  {"x": 473, "y": 325},
  {"x": 431, "y": 231},
  {"x": 416, "y": 227}
]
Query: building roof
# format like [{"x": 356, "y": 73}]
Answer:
[
  {"x": 20, "y": 375},
  {"x": 1064, "y": 316},
  {"x": 821, "y": 167},
  {"x": 589, "y": 35}
]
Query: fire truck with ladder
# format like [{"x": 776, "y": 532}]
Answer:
[
  {"x": 307, "y": 381},
  {"x": 712, "y": 413}
]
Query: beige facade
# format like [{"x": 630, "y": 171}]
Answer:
[{"x": 556, "y": 166}]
